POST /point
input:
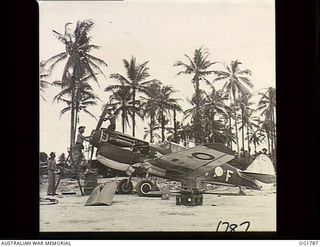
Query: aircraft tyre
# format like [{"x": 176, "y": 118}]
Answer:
[
  {"x": 143, "y": 187},
  {"x": 123, "y": 187}
]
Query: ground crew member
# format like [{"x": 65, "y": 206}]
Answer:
[
  {"x": 81, "y": 138},
  {"x": 77, "y": 149},
  {"x": 52, "y": 168},
  {"x": 112, "y": 119}
]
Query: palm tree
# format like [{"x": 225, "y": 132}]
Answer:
[
  {"x": 267, "y": 104},
  {"x": 194, "y": 111},
  {"x": 185, "y": 132},
  {"x": 221, "y": 133},
  {"x": 121, "y": 102},
  {"x": 266, "y": 128},
  {"x": 84, "y": 97},
  {"x": 246, "y": 112},
  {"x": 175, "y": 132},
  {"x": 43, "y": 80},
  {"x": 176, "y": 124},
  {"x": 214, "y": 106},
  {"x": 236, "y": 83},
  {"x": 79, "y": 63},
  {"x": 150, "y": 105},
  {"x": 151, "y": 132},
  {"x": 199, "y": 68},
  {"x": 165, "y": 104},
  {"x": 136, "y": 79},
  {"x": 256, "y": 138},
  {"x": 228, "y": 117}
]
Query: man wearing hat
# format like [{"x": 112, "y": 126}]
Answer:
[
  {"x": 77, "y": 155},
  {"x": 52, "y": 168},
  {"x": 81, "y": 138}
]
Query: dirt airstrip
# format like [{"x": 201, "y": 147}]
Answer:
[{"x": 133, "y": 213}]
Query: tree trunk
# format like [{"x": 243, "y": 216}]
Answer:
[
  {"x": 152, "y": 125},
  {"x": 151, "y": 134},
  {"x": 248, "y": 137},
  {"x": 162, "y": 126},
  {"x": 274, "y": 130},
  {"x": 212, "y": 128},
  {"x": 271, "y": 135},
  {"x": 72, "y": 132},
  {"x": 72, "y": 120},
  {"x": 175, "y": 134},
  {"x": 197, "y": 121},
  {"x": 235, "y": 124},
  {"x": 123, "y": 116},
  {"x": 268, "y": 139},
  {"x": 237, "y": 137},
  {"x": 230, "y": 129},
  {"x": 242, "y": 131},
  {"x": 134, "y": 111},
  {"x": 76, "y": 109}
]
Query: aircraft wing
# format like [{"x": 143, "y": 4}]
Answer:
[{"x": 194, "y": 162}]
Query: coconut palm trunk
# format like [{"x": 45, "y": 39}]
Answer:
[
  {"x": 230, "y": 128},
  {"x": 72, "y": 120},
  {"x": 248, "y": 137},
  {"x": 274, "y": 130},
  {"x": 133, "y": 113},
  {"x": 123, "y": 121},
  {"x": 271, "y": 135},
  {"x": 213, "y": 131},
  {"x": 237, "y": 137},
  {"x": 242, "y": 130},
  {"x": 197, "y": 120},
  {"x": 175, "y": 131},
  {"x": 235, "y": 123},
  {"x": 163, "y": 123},
  {"x": 268, "y": 139},
  {"x": 152, "y": 124},
  {"x": 151, "y": 133}
]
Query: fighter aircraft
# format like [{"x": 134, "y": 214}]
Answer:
[{"x": 207, "y": 163}]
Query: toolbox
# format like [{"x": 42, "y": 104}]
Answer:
[{"x": 189, "y": 199}]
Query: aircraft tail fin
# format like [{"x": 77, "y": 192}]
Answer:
[{"x": 261, "y": 169}]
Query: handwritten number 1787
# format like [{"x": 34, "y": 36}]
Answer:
[{"x": 233, "y": 227}]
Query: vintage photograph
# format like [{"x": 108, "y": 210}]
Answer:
[{"x": 157, "y": 116}]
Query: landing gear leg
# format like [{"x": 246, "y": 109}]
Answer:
[
  {"x": 241, "y": 191},
  {"x": 125, "y": 186}
]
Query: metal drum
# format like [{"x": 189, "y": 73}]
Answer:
[{"x": 90, "y": 181}]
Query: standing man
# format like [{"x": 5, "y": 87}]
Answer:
[
  {"x": 112, "y": 119},
  {"x": 81, "y": 138},
  {"x": 52, "y": 168},
  {"x": 77, "y": 150}
]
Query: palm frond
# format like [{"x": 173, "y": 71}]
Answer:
[{"x": 60, "y": 37}]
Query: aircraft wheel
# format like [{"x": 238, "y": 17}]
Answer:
[
  {"x": 143, "y": 187},
  {"x": 124, "y": 187}
]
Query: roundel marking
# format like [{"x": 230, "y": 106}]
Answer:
[
  {"x": 218, "y": 171},
  {"x": 203, "y": 156}
]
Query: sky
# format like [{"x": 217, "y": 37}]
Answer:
[{"x": 160, "y": 32}]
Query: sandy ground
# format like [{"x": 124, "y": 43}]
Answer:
[{"x": 133, "y": 213}]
